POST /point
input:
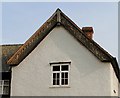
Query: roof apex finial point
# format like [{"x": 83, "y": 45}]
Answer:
[{"x": 58, "y": 9}]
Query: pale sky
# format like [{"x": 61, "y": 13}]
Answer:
[{"x": 21, "y": 20}]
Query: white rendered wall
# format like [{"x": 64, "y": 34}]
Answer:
[
  {"x": 114, "y": 83},
  {"x": 119, "y": 89},
  {"x": 88, "y": 76}
]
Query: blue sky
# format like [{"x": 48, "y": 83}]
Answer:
[{"x": 21, "y": 20}]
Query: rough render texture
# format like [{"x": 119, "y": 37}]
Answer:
[
  {"x": 88, "y": 75},
  {"x": 114, "y": 83},
  {"x": 119, "y": 90}
]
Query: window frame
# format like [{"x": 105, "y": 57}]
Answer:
[
  {"x": 2, "y": 85},
  {"x": 60, "y": 73}
]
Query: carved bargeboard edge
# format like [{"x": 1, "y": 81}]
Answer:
[
  {"x": 32, "y": 41},
  {"x": 90, "y": 45}
]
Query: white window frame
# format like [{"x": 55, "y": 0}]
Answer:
[
  {"x": 2, "y": 85},
  {"x": 60, "y": 85}
]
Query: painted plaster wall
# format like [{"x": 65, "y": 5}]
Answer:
[
  {"x": 119, "y": 89},
  {"x": 114, "y": 83},
  {"x": 88, "y": 76}
]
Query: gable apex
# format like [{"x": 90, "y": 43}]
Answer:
[{"x": 58, "y": 10}]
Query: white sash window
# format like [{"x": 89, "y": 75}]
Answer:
[
  {"x": 60, "y": 74},
  {"x": 4, "y": 87}
]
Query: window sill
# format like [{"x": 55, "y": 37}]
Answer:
[{"x": 59, "y": 87}]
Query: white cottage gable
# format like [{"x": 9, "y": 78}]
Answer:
[
  {"x": 91, "y": 72},
  {"x": 35, "y": 74}
]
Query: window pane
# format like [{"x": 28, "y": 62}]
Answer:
[
  {"x": 1, "y": 82},
  {"x": 53, "y": 82},
  {"x": 64, "y": 68},
  {"x": 62, "y": 75},
  {"x": 58, "y": 75},
  {"x": 0, "y": 89},
  {"x": 54, "y": 75},
  {"x": 6, "y": 90},
  {"x": 66, "y": 75},
  {"x": 6, "y": 82},
  {"x": 56, "y": 68},
  {"x": 58, "y": 82},
  {"x": 62, "y": 82},
  {"x": 66, "y": 81}
]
